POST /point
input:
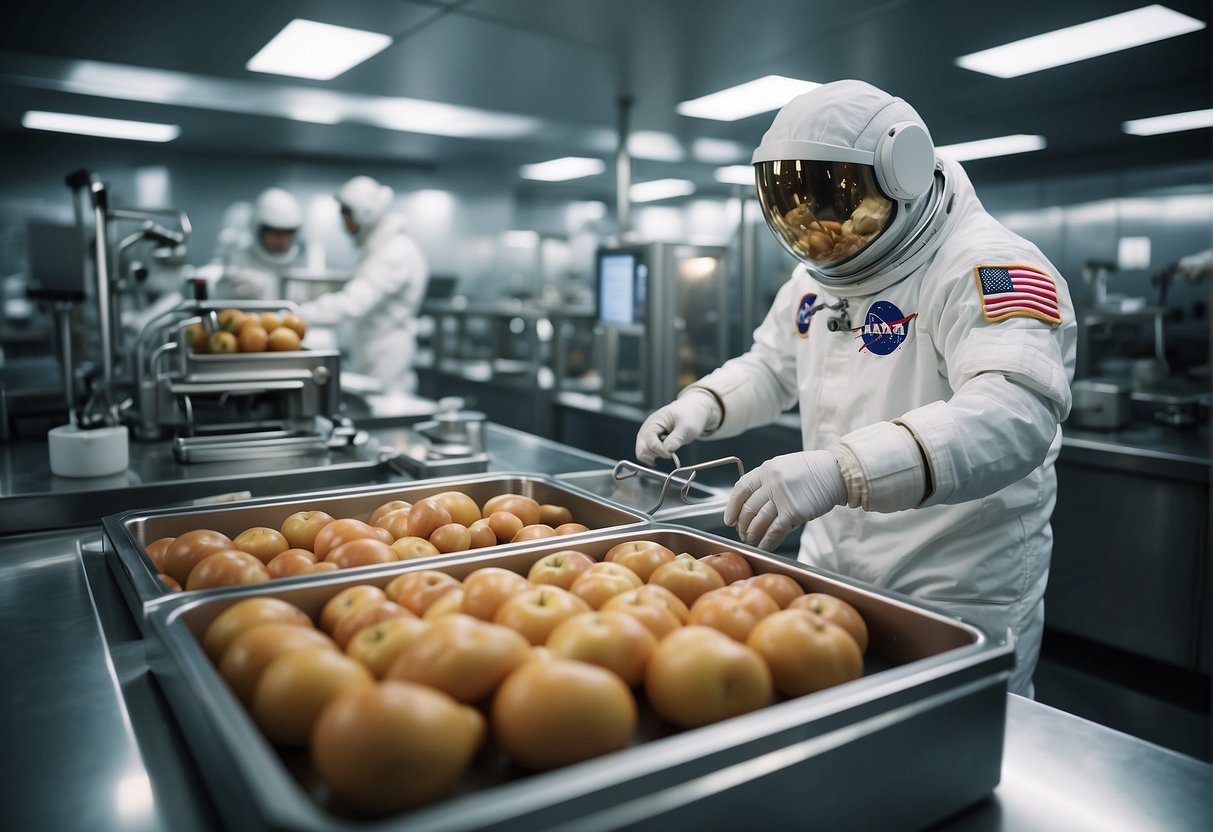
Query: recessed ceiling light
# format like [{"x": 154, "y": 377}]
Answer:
[
  {"x": 321, "y": 51},
  {"x": 718, "y": 151},
  {"x": 561, "y": 170},
  {"x": 520, "y": 239},
  {"x": 987, "y": 148},
  {"x": 110, "y": 128},
  {"x": 735, "y": 174},
  {"x": 749, "y": 99},
  {"x": 660, "y": 189},
  {"x": 1077, "y": 43},
  {"x": 1173, "y": 123},
  {"x": 655, "y": 146}
]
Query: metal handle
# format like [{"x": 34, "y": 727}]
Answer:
[{"x": 625, "y": 469}]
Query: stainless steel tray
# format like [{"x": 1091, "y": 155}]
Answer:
[
  {"x": 918, "y": 738},
  {"x": 129, "y": 533}
]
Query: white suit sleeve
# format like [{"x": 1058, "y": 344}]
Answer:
[
  {"x": 380, "y": 274},
  {"x": 1011, "y": 383},
  {"x": 755, "y": 388}
]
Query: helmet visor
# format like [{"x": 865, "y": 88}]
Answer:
[{"x": 824, "y": 213}]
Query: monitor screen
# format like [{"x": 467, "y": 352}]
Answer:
[{"x": 621, "y": 287}]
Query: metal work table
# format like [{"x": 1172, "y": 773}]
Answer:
[{"x": 91, "y": 743}]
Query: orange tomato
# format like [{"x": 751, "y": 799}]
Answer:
[
  {"x": 836, "y": 611},
  {"x": 559, "y": 568},
  {"x": 363, "y": 551},
  {"x": 524, "y": 508},
  {"x": 734, "y": 610},
  {"x": 805, "y": 652},
  {"x": 364, "y": 615},
  {"x": 245, "y": 615},
  {"x": 187, "y": 549},
  {"x": 333, "y": 534},
  {"x": 346, "y": 600},
  {"x": 283, "y": 339},
  {"x": 641, "y": 556},
  {"x": 537, "y": 611},
  {"x": 300, "y": 529},
  {"x": 385, "y": 508},
  {"x": 294, "y": 688},
  {"x": 687, "y": 578},
  {"x": 554, "y": 712},
  {"x": 227, "y": 567},
  {"x": 610, "y": 639},
  {"x": 261, "y": 542},
  {"x": 394, "y": 746},
  {"x": 155, "y": 551},
  {"x": 462, "y": 656},
  {"x": 782, "y": 588},
  {"x": 379, "y": 645},
  {"x": 487, "y": 588},
  {"x": 291, "y": 562},
  {"x": 698, "y": 675},
  {"x": 250, "y": 653},
  {"x": 417, "y": 590},
  {"x": 460, "y": 506}
]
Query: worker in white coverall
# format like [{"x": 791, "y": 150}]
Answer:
[
  {"x": 253, "y": 271},
  {"x": 930, "y": 350},
  {"x": 383, "y": 296}
]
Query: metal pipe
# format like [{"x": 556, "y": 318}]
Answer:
[
  {"x": 623, "y": 170},
  {"x": 749, "y": 272},
  {"x": 104, "y": 322}
]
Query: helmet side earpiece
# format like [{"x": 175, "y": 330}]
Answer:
[{"x": 905, "y": 160}]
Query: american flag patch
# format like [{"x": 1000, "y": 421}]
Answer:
[{"x": 1017, "y": 291}]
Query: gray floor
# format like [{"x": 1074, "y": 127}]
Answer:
[{"x": 1151, "y": 700}]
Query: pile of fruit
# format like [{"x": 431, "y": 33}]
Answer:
[
  {"x": 249, "y": 332},
  {"x": 397, "y": 691},
  {"x": 309, "y": 542}
]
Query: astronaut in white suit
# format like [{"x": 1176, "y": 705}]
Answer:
[
  {"x": 383, "y": 296},
  {"x": 930, "y": 350}
]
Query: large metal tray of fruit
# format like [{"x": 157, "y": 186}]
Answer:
[
  {"x": 141, "y": 580},
  {"x": 916, "y": 737}
]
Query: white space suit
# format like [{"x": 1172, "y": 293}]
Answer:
[
  {"x": 249, "y": 270},
  {"x": 932, "y": 370},
  {"x": 382, "y": 298}
]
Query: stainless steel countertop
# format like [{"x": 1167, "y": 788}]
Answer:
[{"x": 91, "y": 743}]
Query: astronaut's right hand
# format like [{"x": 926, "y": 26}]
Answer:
[
  {"x": 683, "y": 420},
  {"x": 241, "y": 283}
]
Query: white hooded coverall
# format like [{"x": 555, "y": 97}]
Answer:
[
  {"x": 925, "y": 378},
  {"x": 380, "y": 301}
]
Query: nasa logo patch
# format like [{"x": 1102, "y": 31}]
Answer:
[
  {"x": 884, "y": 328},
  {"x": 804, "y": 314}
]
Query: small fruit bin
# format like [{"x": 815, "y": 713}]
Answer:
[
  {"x": 915, "y": 737},
  {"x": 128, "y": 534}
]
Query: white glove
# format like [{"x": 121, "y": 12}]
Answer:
[
  {"x": 1196, "y": 267},
  {"x": 681, "y": 421},
  {"x": 243, "y": 284},
  {"x": 783, "y": 493}
]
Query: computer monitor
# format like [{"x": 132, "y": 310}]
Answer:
[{"x": 622, "y": 285}]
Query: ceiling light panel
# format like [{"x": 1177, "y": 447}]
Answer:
[
  {"x": 562, "y": 170},
  {"x": 320, "y": 51},
  {"x": 1078, "y": 43},
  {"x": 761, "y": 95},
  {"x": 988, "y": 148},
  {"x": 110, "y": 128},
  {"x": 660, "y": 189},
  {"x": 655, "y": 146},
  {"x": 735, "y": 174},
  {"x": 1172, "y": 123}
]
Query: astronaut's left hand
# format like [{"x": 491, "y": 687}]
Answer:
[{"x": 783, "y": 493}]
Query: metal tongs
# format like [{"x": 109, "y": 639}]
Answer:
[{"x": 625, "y": 469}]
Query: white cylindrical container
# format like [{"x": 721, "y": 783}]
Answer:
[{"x": 88, "y": 453}]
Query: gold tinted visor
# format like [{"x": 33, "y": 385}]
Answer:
[{"x": 824, "y": 213}]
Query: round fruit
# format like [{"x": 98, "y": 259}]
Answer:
[
  {"x": 361, "y": 552},
  {"x": 462, "y": 656},
  {"x": 805, "y": 652},
  {"x": 655, "y": 616},
  {"x": 283, "y": 339},
  {"x": 487, "y": 588},
  {"x": 227, "y": 567},
  {"x": 334, "y": 534},
  {"x": 394, "y": 745},
  {"x": 222, "y": 342},
  {"x": 295, "y": 687},
  {"x": 250, "y": 653},
  {"x": 610, "y": 639},
  {"x": 252, "y": 338},
  {"x": 262, "y": 543},
  {"x": 732, "y": 566},
  {"x": 269, "y": 321},
  {"x": 535, "y": 531},
  {"x": 346, "y": 600},
  {"x": 559, "y": 568},
  {"x": 245, "y": 615},
  {"x": 292, "y": 562},
  {"x": 384, "y": 508},
  {"x": 417, "y": 590},
  {"x": 782, "y": 588},
  {"x": 505, "y": 525},
  {"x": 364, "y": 615},
  {"x": 687, "y": 578},
  {"x": 407, "y": 548},
  {"x": 460, "y": 506},
  {"x": 641, "y": 556},
  {"x": 482, "y": 534},
  {"x": 453, "y": 537},
  {"x": 169, "y": 583},
  {"x": 156, "y": 549},
  {"x": 186, "y": 550},
  {"x": 698, "y": 675},
  {"x": 296, "y": 323},
  {"x": 554, "y": 712},
  {"x": 537, "y": 611},
  {"x": 524, "y": 508},
  {"x": 836, "y": 611},
  {"x": 379, "y": 645},
  {"x": 554, "y": 515},
  {"x": 300, "y": 528},
  {"x": 571, "y": 528},
  {"x": 425, "y": 516},
  {"x": 734, "y": 610}
]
